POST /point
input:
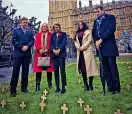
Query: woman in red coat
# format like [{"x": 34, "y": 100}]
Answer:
[{"x": 42, "y": 45}]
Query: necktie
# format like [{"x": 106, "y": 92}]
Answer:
[{"x": 24, "y": 30}]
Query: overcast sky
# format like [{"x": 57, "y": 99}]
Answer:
[{"x": 37, "y": 8}]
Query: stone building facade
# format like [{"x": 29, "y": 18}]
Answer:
[{"x": 68, "y": 14}]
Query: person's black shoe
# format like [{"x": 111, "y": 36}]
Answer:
[
  {"x": 116, "y": 92},
  {"x": 49, "y": 84},
  {"x": 57, "y": 90},
  {"x": 13, "y": 94},
  {"x": 91, "y": 83},
  {"x": 110, "y": 90},
  {"x": 24, "y": 91},
  {"x": 91, "y": 87},
  {"x": 86, "y": 87},
  {"x": 63, "y": 91},
  {"x": 37, "y": 88}
]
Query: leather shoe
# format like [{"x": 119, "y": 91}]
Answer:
[
  {"x": 63, "y": 91},
  {"x": 57, "y": 90},
  {"x": 13, "y": 94},
  {"x": 116, "y": 92},
  {"x": 37, "y": 88},
  {"x": 50, "y": 84},
  {"x": 86, "y": 87},
  {"x": 25, "y": 91},
  {"x": 110, "y": 90},
  {"x": 90, "y": 88}
]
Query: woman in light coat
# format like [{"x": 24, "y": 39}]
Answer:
[{"x": 86, "y": 64}]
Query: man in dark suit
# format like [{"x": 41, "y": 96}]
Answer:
[
  {"x": 23, "y": 40},
  {"x": 103, "y": 35},
  {"x": 58, "y": 55}
]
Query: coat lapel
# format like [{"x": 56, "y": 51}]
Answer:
[
  {"x": 102, "y": 22},
  {"x": 77, "y": 40},
  {"x": 105, "y": 15},
  {"x": 26, "y": 32},
  {"x": 21, "y": 30},
  {"x": 86, "y": 33}
]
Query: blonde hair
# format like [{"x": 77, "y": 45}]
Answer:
[{"x": 42, "y": 27}]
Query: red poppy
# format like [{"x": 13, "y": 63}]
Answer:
[
  {"x": 104, "y": 17},
  {"x": 59, "y": 34}
]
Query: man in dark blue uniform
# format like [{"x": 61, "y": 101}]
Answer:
[
  {"x": 23, "y": 40},
  {"x": 103, "y": 35}
]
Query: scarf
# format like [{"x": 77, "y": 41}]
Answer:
[
  {"x": 44, "y": 40},
  {"x": 80, "y": 34}
]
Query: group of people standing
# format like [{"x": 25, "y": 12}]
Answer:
[{"x": 53, "y": 45}]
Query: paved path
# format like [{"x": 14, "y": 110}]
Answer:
[
  {"x": 5, "y": 73},
  {"x": 125, "y": 55}
]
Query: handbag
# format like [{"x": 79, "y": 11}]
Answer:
[{"x": 44, "y": 61}]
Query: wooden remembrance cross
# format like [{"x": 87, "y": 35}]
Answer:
[
  {"x": 79, "y": 81},
  {"x": 43, "y": 97},
  {"x": 87, "y": 109},
  {"x": 45, "y": 92},
  {"x": 42, "y": 105},
  {"x": 80, "y": 102},
  {"x": 22, "y": 105},
  {"x": 3, "y": 103},
  {"x": 64, "y": 108},
  {"x": 118, "y": 112}
]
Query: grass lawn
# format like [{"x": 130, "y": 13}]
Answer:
[{"x": 100, "y": 104}]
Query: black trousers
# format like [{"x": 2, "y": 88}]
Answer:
[
  {"x": 59, "y": 62},
  {"x": 111, "y": 73},
  {"x": 18, "y": 61},
  {"x": 49, "y": 76}
]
